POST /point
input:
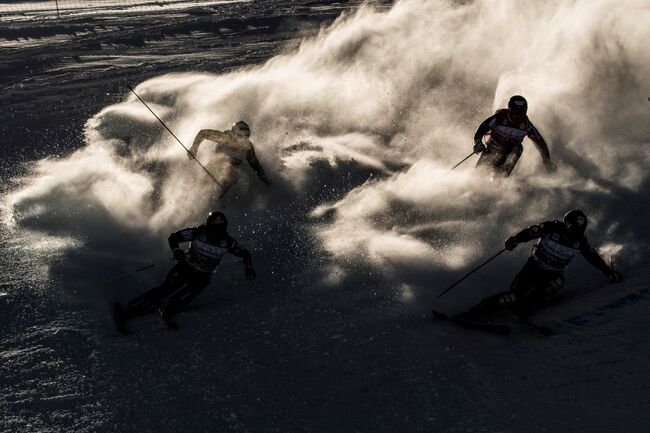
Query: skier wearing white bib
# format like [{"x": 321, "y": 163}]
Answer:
[
  {"x": 208, "y": 244},
  {"x": 542, "y": 275},
  {"x": 507, "y": 129}
]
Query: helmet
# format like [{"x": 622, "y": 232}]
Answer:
[
  {"x": 517, "y": 107},
  {"x": 217, "y": 223},
  {"x": 575, "y": 221},
  {"x": 241, "y": 128}
]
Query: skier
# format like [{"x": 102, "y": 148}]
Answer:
[
  {"x": 231, "y": 149},
  {"x": 542, "y": 275},
  {"x": 507, "y": 129},
  {"x": 208, "y": 244}
]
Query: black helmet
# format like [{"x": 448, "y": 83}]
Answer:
[
  {"x": 517, "y": 107},
  {"x": 217, "y": 223},
  {"x": 575, "y": 221},
  {"x": 241, "y": 128}
]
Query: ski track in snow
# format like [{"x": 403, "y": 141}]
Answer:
[{"x": 280, "y": 353}]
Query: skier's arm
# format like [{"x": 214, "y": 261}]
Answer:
[
  {"x": 241, "y": 252},
  {"x": 528, "y": 234},
  {"x": 204, "y": 134},
  {"x": 594, "y": 258},
  {"x": 257, "y": 166},
  {"x": 535, "y": 231},
  {"x": 541, "y": 145},
  {"x": 483, "y": 129},
  {"x": 185, "y": 235}
]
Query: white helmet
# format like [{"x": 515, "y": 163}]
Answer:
[{"x": 241, "y": 128}]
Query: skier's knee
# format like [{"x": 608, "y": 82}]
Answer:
[
  {"x": 507, "y": 299},
  {"x": 553, "y": 286}
]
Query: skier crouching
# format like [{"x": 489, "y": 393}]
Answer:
[
  {"x": 542, "y": 275},
  {"x": 208, "y": 244},
  {"x": 231, "y": 149},
  {"x": 507, "y": 129}
]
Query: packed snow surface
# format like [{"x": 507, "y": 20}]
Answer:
[{"x": 357, "y": 112}]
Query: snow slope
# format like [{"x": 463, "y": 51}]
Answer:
[{"x": 357, "y": 123}]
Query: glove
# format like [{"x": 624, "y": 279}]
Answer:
[
  {"x": 250, "y": 273},
  {"x": 613, "y": 276},
  {"x": 479, "y": 147},
  {"x": 550, "y": 167},
  {"x": 179, "y": 254},
  {"x": 511, "y": 243}
]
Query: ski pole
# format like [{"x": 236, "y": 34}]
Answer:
[
  {"x": 464, "y": 159},
  {"x": 120, "y": 276},
  {"x": 471, "y": 272},
  {"x": 173, "y": 135}
]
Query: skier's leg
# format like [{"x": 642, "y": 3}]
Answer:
[
  {"x": 179, "y": 300},
  {"x": 510, "y": 300},
  {"x": 511, "y": 160},
  {"x": 175, "y": 279},
  {"x": 530, "y": 287},
  {"x": 555, "y": 283},
  {"x": 489, "y": 159},
  {"x": 226, "y": 171},
  {"x": 487, "y": 306},
  {"x": 228, "y": 182}
]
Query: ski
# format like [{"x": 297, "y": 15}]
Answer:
[
  {"x": 120, "y": 319},
  {"x": 481, "y": 326}
]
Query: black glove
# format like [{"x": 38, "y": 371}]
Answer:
[
  {"x": 479, "y": 147},
  {"x": 511, "y": 243},
  {"x": 613, "y": 276},
  {"x": 179, "y": 254},
  {"x": 250, "y": 273}
]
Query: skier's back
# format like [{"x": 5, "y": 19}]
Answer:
[{"x": 231, "y": 149}]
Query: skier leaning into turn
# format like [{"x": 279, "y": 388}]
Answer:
[
  {"x": 542, "y": 275},
  {"x": 208, "y": 244},
  {"x": 507, "y": 129},
  {"x": 232, "y": 147}
]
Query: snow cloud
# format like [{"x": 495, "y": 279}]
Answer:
[{"x": 396, "y": 93}]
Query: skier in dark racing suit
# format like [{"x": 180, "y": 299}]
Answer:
[
  {"x": 542, "y": 275},
  {"x": 192, "y": 273},
  {"x": 507, "y": 129}
]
